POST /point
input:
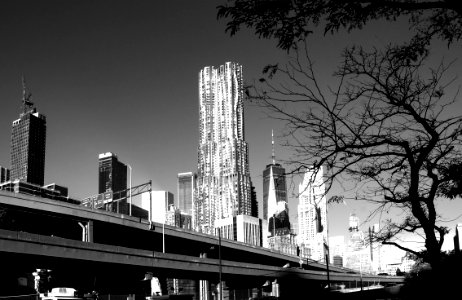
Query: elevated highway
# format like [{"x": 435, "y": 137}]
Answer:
[{"x": 43, "y": 233}]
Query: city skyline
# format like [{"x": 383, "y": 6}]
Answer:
[{"x": 123, "y": 78}]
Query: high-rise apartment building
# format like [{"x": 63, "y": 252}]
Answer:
[
  {"x": 223, "y": 182},
  {"x": 312, "y": 213},
  {"x": 28, "y": 140},
  {"x": 4, "y": 174},
  {"x": 186, "y": 188}
]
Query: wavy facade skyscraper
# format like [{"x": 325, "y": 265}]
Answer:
[{"x": 223, "y": 182}]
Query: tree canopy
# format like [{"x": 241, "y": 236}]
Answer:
[{"x": 290, "y": 21}]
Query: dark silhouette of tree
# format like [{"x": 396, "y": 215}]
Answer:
[
  {"x": 290, "y": 21},
  {"x": 388, "y": 126},
  {"x": 423, "y": 282}
]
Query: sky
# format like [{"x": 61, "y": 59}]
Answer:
[{"x": 122, "y": 76}]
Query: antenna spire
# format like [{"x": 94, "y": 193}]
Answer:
[
  {"x": 272, "y": 147},
  {"x": 26, "y": 97}
]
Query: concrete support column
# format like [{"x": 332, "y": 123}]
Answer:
[
  {"x": 204, "y": 285},
  {"x": 87, "y": 231}
]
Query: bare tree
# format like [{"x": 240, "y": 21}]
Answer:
[{"x": 386, "y": 125}]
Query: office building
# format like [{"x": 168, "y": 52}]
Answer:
[
  {"x": 242, "y": 228},
  {"x": 253, "y": 202},
  {"x": 175, "y": 217},
  {"x": 31, "y": 189},
  {"x": 223, "y": 179},
  {"x": 113, "y": 179},
  {"x": 4, "y": 174},
  {"x": 336, "y": 249},
  {"x": 275, "y": 205},
  {"x": 28, "y": 140},
  {"x": 186, "y": 188},
  {"x": 358, "y": 254},
  {"x": 312, "y": 213},
  {"x": 112, "y": 173},
  {"x": 157, "y": 204}
]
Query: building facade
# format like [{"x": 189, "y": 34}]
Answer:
[
  {"x": 358, "y": 254},
  {"x": 4, "y": 174},
  {"x": 113, "y": 178},
  {"x": 223, "y": 179},
  {"x": 274, "y": 190},
  {"x": 242, "y": 228},
  {"x": 112, "y": 173},
  {"x": 336, "y": 250},
  {"x": 186, "y": 188},
  {"x": 157, "y": 204},
  {"x": 28, "y": 141},
  {"x": 312, "y": 213}
]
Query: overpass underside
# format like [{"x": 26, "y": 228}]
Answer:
[
  {"x": 97, "y": 249},
  {"x": 115, "y": 269}
]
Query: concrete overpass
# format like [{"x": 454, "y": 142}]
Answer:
[{"x": 44, "y": 233}]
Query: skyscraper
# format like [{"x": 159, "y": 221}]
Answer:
[
  {"x": 112, "y": 173},
  {"x": 312, "y": 213},
  {"x": 275, "y": 205},
  {"x": 113, "y": 178},
  {"x": 223, "y": 183},
  {"x": 186, "y": 188},
  {"x": 28, "y": 139}
]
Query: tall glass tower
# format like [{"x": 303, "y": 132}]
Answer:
[
  {"x": 275, "y": 205},
  {"x": 28, "y": 140},
  {"x": 223, "y": 183}
]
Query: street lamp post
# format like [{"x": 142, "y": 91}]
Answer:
[
  {"x": 130, "y": 191},
  {"x": 219, "y": 262},
  {"x": 326, "y": 246}
]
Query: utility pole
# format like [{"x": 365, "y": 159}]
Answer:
[{"x": 130, "y": 191}]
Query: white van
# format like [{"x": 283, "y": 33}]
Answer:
[{"x": 61, "y": 293}]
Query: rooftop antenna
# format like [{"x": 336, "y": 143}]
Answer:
[
  {"x": 26, "y": 97},
  {"x": 272, "y": 146}
]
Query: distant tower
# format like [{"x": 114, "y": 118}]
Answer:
[
  {"x": 28, "y": 140},
  {"x": 186, "y": 188},
  {"x": 223, "y": 182},
  {"x": 113, "y": 178},
  {"x": 356, "y": 240},
  {"x": 312, "y": 213},
  {"x": 275, "y": 205},
  {"x": 112, "y": 173}
]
